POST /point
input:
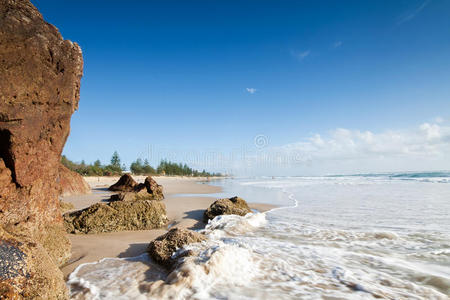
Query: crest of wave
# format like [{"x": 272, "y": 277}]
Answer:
[{"x": 221, "y": 263}]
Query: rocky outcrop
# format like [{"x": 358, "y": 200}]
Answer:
[
  {"x": 39, "y": 91},
  {"x": 162, "y": 248},
  {"x": 154, "y": 188},
  {"x": 126, "y": 183},
  {"x": 226, "y": 206},
  {"x": 72, "y": 183},
  {"x": 133, "y": 196},
  {"x": 117, "y": 216},
  {"x": 149, "y": 190}
]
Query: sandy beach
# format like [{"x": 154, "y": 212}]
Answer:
[{"x": 182, "y": 210}]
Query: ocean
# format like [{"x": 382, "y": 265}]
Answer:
[{"x": 368, "y": 236}]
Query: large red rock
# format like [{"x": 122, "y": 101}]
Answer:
[
  {"x": 40, "y": 76},
  {"x": 72, "y": 183}
]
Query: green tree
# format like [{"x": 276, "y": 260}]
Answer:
[
  {"x": 115, "y": 160},
  {"x": 170, "y": 168},
  {"x": 136, "y": 167},
  {"x": 147, "y": 168}
]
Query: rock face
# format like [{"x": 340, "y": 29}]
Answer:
[
  {"x": 117, "y": 216},
  {"x": 126, "y": 183},
  {"x": 72, "y": 183},
  {"x": 231, "y": 206},
  {"x": 39, "y": 90},
  {"x": 162, "y": 248}
]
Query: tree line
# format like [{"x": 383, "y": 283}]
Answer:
[{"x": 138, "y": 167}]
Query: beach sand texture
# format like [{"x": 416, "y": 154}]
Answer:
[{"x": 183, "y": 211}]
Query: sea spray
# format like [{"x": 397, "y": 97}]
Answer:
[{"x": 355, "y": 237}]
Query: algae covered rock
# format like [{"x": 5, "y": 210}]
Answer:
[
  {"x": 65, "y": 206},
  {"x": 117, "y": 216},
  {"x": 133, "y": 196},
  {"x": 162, "y": 248},
  {"x": 226, "y": 206},
  {"x": 126, "y": 183}
]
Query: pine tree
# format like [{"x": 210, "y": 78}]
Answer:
[{"x": 115, "y": 160}]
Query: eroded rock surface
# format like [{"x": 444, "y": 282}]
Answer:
[
  {"x": 117, "y": 216},
  {"x": 226, "y": 206},
  {"x": 126, "y": 183},
  {"x": 154, "y": 188},
  {"x": 39, "y": 90},
  {"x": 162, "y": 248},
  {"x": 72, "y": 183},
  {"x": 149, "y": 190}
]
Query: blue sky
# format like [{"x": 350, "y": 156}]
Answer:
[{"x": 191, "y": 80}]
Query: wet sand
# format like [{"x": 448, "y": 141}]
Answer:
[{"x": 183, "y": 211}]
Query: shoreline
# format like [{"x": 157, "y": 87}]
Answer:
[{"x": 185, "y": 212}]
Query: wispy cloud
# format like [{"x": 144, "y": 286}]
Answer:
[
  {"x": 300, "y": 55},
  {"x": 439, "y": 120},
  {"x": 412, "y": 13},
  {"x": 413, "y": 148},
  {"x": 251, "y": 90},
  {"x": 425, "y": 147},
  {"x": 337, "y": 44}
]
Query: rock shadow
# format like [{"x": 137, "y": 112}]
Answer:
[{"x": 196, "y": 215}]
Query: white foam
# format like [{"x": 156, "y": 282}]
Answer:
[{"x": 334, "y": 238}]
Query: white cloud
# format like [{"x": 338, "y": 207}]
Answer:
[
  {"x": 337, "y": 44},
  {"x": 411, "y": 14},
  {"x": 300, "y": 55},
  {"x": 439, "y": 120},
  {"x": 428, "y": 139},
  {"x": 342, "y": 151},
  {"x": 251, "y": 90}
]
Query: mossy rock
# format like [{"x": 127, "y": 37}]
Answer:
[
  {"x": 162, "y": 248},
  {"x": 226, "y": 206},
  {"x": 117, "y": 216},
  {"x": 134, "y": 196},
  {"x": 65, "y": 206}
]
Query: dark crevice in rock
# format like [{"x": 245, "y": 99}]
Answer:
[{"x": 5, "y": 152}]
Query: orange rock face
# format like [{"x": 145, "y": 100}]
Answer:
[
  {"x": 72, "y": 183},
  {"x": 40, "y": 76}
]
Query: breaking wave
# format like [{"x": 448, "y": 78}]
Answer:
[{"x": 328, "y": 240}]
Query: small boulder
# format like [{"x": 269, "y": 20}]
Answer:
[
  {"x": 154, "y": 188},
  {"x": 126, "y": 183},
  {"x": 149, "y": 190},
  {"x": 226, "y": 206},
  {"x": 117, "y": 216},
  {"x": 162, "y": 248}
]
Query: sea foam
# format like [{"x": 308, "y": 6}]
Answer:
[{"x": 333, "y": 238}]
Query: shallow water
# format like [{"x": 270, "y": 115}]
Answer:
[{"x": 340, "y": 237}]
